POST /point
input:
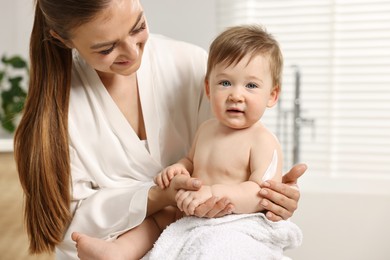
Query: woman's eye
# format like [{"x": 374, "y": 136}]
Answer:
[
  {"x": 225, "y": 83},
  {"x": 251, "y": 85},
  {"x": 139, "y": 29},
  {"x": 108, "y": 51}
]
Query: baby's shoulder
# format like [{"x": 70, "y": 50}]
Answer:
[{"x": 261, "y": 134}]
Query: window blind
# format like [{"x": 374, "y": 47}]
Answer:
[{"x": 342, "y": 50}]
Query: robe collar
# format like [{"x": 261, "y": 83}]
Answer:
[{"x": 120, "y": 126}]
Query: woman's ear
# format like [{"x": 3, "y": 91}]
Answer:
[
  {"x": 207, "y": 88},
  {"x": 273, "y": 99},
  {"x": 59, "y": 38}
]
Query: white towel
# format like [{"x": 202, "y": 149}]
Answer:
[{"x": 241, "y": 236}]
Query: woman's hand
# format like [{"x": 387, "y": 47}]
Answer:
[
  {"x": 214, "y": 208},
  {"x": 188, "y": 201},
  {"x": 160, "y": 198},
  {"x": 281, "y": 199},
  {"x": 183, "y": 182}
]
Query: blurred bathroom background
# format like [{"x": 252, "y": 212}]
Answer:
[{"x": 334, "y": 112}]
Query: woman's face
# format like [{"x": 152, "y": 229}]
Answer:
[{"x": 114, "y": 41}]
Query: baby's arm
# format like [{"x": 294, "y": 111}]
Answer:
[
  {"x": 240, "y": 195},
  {"x": 184, "y": 166},
  {"x": 245, "y": 196}
]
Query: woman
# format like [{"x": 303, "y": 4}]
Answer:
[{"x": 99, "y": 124}]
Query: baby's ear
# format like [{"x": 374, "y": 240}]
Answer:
[
  {"x": 273, "y": 98},
  {"x": 207, "y": 87}
]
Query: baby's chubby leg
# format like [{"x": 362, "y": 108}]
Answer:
[{"x": 133, "y": 244}]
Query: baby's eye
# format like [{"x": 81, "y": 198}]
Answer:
[
  {"x": 225, "y": 83},
  {"x": 251, "y": 85}
]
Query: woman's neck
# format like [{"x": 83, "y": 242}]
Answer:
[{"x": 124, "y": 91}]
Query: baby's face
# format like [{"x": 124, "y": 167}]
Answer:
[{"x": 240, "y": 93}]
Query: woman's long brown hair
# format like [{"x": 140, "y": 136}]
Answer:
[{"x": 41, "y": 139}]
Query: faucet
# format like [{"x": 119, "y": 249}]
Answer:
[{"x": 298, "y": 121}]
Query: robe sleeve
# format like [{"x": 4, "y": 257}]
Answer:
[{"x": 101, "y": 212}]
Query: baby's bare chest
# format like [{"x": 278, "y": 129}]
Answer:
[{"x": 223, "y": 160}]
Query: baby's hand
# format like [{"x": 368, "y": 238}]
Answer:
[
  {"x": 164, "y": 178},
  {"x": 187, "y": 201}
]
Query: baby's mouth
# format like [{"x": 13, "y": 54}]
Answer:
[{"x": 235, "y": 111}]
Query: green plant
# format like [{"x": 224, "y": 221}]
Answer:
[{"x": 13, "y": 74}]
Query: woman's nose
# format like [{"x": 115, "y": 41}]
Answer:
[{"x": 131, "y": 48}]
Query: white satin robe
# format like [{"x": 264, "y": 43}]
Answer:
[{"x": 112, "y": 169}]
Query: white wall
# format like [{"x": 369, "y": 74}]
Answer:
[
  {"x": 15, "y": 26},
  {"x": 343, "y": 226},
  {"x": 191, "y": 21}
]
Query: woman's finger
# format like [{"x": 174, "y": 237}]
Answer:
[
  {"x": 205, "y": 207},
  {"x": 226, "y": 211},
  {"x": 278, "y": 203},
  {"x": 277, "y": 210},
  {"x": 277, "y": 191},
  {"x": 185, "y": 182},
  {"x": 273, "y": 217},
  {"x": 292, "y": 176},
  {"x": 214, "y": 207}
]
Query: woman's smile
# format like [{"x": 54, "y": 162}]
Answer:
[{"x": 123, "y": 63}]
